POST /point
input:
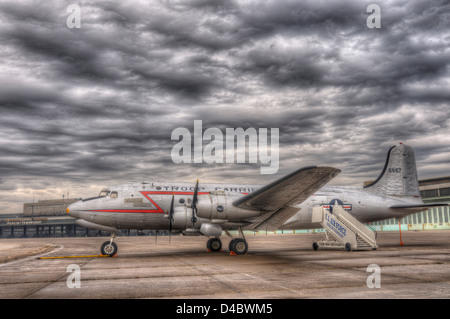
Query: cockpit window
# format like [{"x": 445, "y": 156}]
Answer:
[
  {"x": 104, "y": 193},
  {"x": 113, "y": 195}
]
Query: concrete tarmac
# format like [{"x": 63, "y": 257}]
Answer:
[{"x": 276, "y": 266}]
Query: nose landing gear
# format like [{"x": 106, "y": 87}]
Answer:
[{"x": 109, "y": 248}]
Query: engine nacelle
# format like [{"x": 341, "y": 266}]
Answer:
[
  {"x": 180, "y": 217},
  {"x": 217, "y": 205},
  {"x": 182, "y": 220},
  {"x": 211, "y": 229}
]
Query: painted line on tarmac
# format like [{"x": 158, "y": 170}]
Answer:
[
  {"x": 82, "y": 256},
  {"x": 31, "y": 257}
]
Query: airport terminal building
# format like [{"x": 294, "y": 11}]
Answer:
[{"x": 48, "y": 218}]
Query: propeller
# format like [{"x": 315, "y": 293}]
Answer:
[
  {"x": 171, "y": 210},
  {"x": 194, "y": 205},
  {"x": 171, "y": 214}
]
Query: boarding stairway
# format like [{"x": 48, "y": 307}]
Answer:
[{"x": 345, "y": 230}]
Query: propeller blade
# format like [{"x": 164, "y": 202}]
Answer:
[
  {"x": 194, "y": 204},
  {"x": 171, "y": 214},
  {"x": 195, "y": 199}
]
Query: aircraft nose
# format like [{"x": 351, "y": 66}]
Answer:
[{"x": 73, "y": 209}]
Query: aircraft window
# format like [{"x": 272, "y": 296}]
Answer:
[
  {"x": 103, "y": 193},
  {"x": 181, "y": 201},
  {"x": 113, "y": 195},
  {"x": 220, "y": 208}
]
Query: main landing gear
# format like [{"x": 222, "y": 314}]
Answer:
[
  {"x": 237, "y": 246},
  {"x": 214, "y": 244},
  {"x": 109, "y": 248}
]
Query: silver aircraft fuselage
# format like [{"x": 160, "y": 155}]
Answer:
[{"x": 146, "y": 205}]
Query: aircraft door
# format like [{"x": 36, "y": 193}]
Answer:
[{"x": 219, "y": 205}]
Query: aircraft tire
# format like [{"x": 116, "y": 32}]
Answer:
[
  {"x": 109, "y": 248},
  {"x": 315, "y": 246},
  {"x": 348, "y": 247},
  {"x": 230, "y": 245},
  {"x": 214, "y": 244},
  {"x": 239, "y": 246}
]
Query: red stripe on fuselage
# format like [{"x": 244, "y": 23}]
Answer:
[
  {"x": 128, "y": 210},
  {"x": 158, "y": 209},
  {"x": 171, "y": 192}
]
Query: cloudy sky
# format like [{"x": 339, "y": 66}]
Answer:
[{"x": 82, "y": 108}]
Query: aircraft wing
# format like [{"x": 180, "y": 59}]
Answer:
[
  {"x": 273, "y": 220},
  {"x": 277, "y": 197}
]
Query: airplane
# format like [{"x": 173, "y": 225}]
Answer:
[{"x": 287, "y": 203}]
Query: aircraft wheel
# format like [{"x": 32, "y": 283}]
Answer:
[
  {"x": 109, "y": 248},
  {"x": 215, "y": 244},
  {"x": 230, "y": 245},
  {"x": 315, "y": 246},
  {"x": 239, "y": 246},
  {"x": 348, "y": 247}
]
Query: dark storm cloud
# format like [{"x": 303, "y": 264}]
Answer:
[{"x": 97, "y": 105}]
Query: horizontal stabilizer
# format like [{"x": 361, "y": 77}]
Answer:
[{"x": 420, "y": 207}]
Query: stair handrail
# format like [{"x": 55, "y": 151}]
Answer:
[{"x": 373, "y": 229}]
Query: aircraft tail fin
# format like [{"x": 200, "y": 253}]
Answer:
[{"x": 399, "y": 175}]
